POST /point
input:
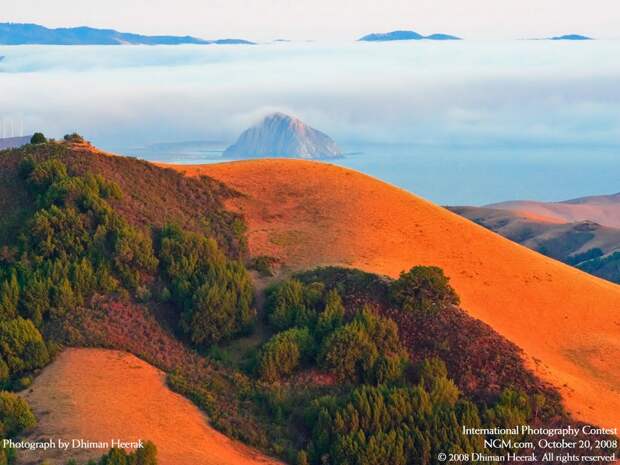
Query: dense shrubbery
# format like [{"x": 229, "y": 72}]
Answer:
[
  {"x": 15, "y": 415},
  {"x": 15, "y": 418},
  {"x": 74, "y": 138},
  {"x": 214, "y": 293},
  {"x": 21, "y": 346},
  {"x": 392, "y": 398},
  {"x": 392, "y": 424},
  {"x": 367, "y": 349},
  {"x": 142, "y": 456},
  {"x": 284, "y": 352},
  {"x": 76, "y": 244}
]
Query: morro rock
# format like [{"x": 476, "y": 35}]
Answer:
[{"x": 280, "y": 135}]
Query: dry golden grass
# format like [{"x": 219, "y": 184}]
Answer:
[
  {"x": 567, "y": 322},
  {"x": 98, "y": 395}
]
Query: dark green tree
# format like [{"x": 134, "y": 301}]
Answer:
[
  {"x": 38, "y": 138},
  {"x": 423, "y": 289}
]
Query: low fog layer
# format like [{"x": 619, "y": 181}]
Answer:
[{"x": 488, "y": 95}]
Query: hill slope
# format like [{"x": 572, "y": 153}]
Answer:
[
  {"x": 585, "y": 244},
  {"x": 81, "y": 380},
  {"x": 568, "y": 322}
]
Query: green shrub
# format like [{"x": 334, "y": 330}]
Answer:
[
  {"x": 293, "y": 303},
  {"x": 22, "y": 346},
  {"x": 423, "y": 289},
  {"x": 74, "y": 137},
  {"x": 353, "y": 351},
  {"x": 42, "y": 175},
  {"x": 38, "y": 138},
  {"x": 214, "y": 294},
  {"x": 283, "y": 353},
  {"x": 332, "y": 316},
  {"x": 15, "y": 414},
  {"x": 9, "y": 298}
]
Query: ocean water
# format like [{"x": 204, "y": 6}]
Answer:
[{"x": 468, "y": 122}]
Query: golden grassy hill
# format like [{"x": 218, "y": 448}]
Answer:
[
  {"x": 567, "y": 322},
  {"x": 98, "y": 395}
]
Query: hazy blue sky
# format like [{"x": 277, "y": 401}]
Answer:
[{"x": 330, "y": 19}]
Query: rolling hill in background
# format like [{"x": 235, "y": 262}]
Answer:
[
  {"x": 22, "y": 34},
  {"x": 571, "y": 37},
  {"x": 404, "y": 35},
  {"x": 568, "y": 322},
  {"x": 602, "y": 209},
  {"x": 13, "y": 142}
]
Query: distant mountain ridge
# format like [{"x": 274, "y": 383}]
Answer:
[
  {"x": 13, "y": 142},
  {"x": 404, "y": 35},
  {"x": 602, "y": 209},
  {"x": 281, "y": 135},
  {"x": 571, "y": 37},
  {"x": 23, "y": 34}
]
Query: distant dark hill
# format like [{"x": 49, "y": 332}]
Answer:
[
  {"x": 584, "y": 244},
  {"x": 571, "y": 37},
  {"x": 13, "y": 142},
  {"x": 404, "y": 35},
  {"x": 22, "y": 34},
  {"x": 280, "y": 135}
]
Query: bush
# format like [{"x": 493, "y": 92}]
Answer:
[
  {"x": 22, "y": 346},
  {"x": 332, "y": 316},
  {"x": 75, "y": 138},
  {"x": 38, "y": 138},
  {"x": 288, "y": 306},
  {"x": 353, "y": 351},
  {"x": 423, "y": 289},
  {"x": 214, "y": 294},
  {"x": 283, "y": 353},
  {"x": 293, "y": 303},
  {"x": 15, "y": 414}
]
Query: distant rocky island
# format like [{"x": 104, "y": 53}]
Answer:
[
  {"x": 571, "y": 37},
  {"x": 24, "y": 34},
  {"x": 404, "y": 35},
  {"x": 281, "y": 135},
  {"x": 565, "y": 37}
]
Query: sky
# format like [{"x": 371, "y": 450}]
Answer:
[{"x": 326, "y": 19}]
